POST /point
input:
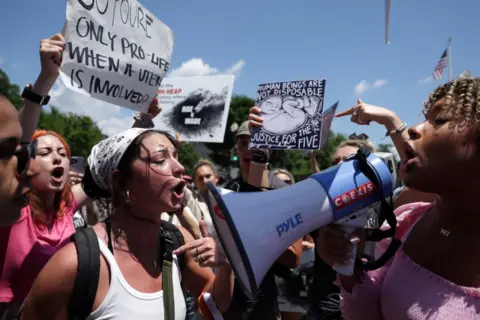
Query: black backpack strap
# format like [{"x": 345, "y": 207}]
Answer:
[
  {"x": 170, "y": 231},
  {"x": 88, "y": 273}
]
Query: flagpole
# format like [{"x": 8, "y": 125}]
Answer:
[{"x": 449, "y": 55}]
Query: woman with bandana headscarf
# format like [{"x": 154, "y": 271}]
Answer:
[{"x": 138, "y": 172}]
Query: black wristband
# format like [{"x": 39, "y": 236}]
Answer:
[
  {"x": 260, "y": 156},
  {"x": 31, "y": 96}
]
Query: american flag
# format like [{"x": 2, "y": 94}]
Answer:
[{"x": 442, "y": 64}]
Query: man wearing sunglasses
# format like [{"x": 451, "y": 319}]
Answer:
[{"x": 15, "y": 159}]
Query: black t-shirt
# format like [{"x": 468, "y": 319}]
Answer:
[{"x": 265, "y": 306}]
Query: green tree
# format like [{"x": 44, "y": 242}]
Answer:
[
  {"x": 384, "y": 147},
  {"x": 188, "y": 157},
  {"x": 221, "y": 152},
  {"x": 12, "y": 91},
  {"x": 79, "y": 131}
]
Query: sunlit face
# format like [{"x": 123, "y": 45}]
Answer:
[
  {"x": 244, "y": 154},
  {"x": 342, "y": 153},
  {"x": 157, "y": 185},
  {"x": 271, "y": 105},
  {"x": 285, "y": 178},
  {"x": 442, "y": 153},
  {"x": 52, "y": 165},
  {"x": 203, "y": 175},
  {"x": 13, "y": 188}
]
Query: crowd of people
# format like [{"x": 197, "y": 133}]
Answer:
[{"x": 147, "y": 247}]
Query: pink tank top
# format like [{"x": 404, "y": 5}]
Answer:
[{"x": 25, "y": 248}]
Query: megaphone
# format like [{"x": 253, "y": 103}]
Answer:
[{"x": 255, "y": 228}]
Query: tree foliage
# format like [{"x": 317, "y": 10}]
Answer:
[
  {"x": 221, "y": 152},
  {"x": 188, "y": 157},
  {"x": 12, "y": 91},
  {"x": 79, "y": 131},
  {"x": 384, "y": 147}
]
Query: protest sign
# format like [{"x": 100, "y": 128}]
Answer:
[
  {"x": 116, "y": 51},
  {"x": 292, "y": 114},
  {"x": 327, "y": 119},
  {"x": 195, "y": 107}
]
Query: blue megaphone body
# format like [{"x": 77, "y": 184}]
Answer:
[{"x": 255, "y": 228}]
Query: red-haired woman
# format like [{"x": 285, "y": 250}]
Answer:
[{"x": 44, "y": 226}]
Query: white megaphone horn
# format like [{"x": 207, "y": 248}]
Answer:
[{"x": 255, "y": 228}]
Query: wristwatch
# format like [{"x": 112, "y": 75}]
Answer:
[{"x": 31, "y": 96}]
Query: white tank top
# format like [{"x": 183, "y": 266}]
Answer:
[{"x": 123, "y": 302}]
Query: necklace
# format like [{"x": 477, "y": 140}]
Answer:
[{"x": 444, "y": 232}]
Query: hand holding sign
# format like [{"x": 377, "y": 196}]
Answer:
[
  {"x": 154, "y": 109},
  {"x": 51, "y": 51},
  {"x": 254, "y": 120},
  {"x": 363, "y": 113},
  {"x": 205, "y": 250}
]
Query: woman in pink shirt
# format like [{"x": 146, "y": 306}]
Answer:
[
  {"x": 46, "y": 223},
  {"x": 435, "y": 274}
]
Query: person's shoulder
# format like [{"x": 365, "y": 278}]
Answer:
[
  {"x": 50, "y": 293},
  {"x": 232, "y": 184},
  {"x": 412, "y": 209},
  {"x": 408, "y": 214}
]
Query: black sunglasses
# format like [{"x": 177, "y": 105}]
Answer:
[{"x": 25, "y": 154}]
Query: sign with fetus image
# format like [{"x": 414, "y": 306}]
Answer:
[
  {"x": 292, "y": 115},
  {"x": 195, "y": 107}
]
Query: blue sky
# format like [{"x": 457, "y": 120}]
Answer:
[{"x": 268, "y": 41}]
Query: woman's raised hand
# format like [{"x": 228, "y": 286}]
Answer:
[
  {"x": 204, "y": 251},
  {"x": 51, "y": 51}
]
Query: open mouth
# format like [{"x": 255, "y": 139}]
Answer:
[
  {"x": 179, "y": 188},
  {"x": 409, "y": 152},
  {"x": 57, "y": 173}
]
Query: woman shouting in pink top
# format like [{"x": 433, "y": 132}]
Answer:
[{"x": 435, "y": 274}]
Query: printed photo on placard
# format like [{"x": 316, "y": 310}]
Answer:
[
  {"x": 115, "y": 52},
  {"x": 292, "y": 113},
  {"x": 195, "y": 107}
]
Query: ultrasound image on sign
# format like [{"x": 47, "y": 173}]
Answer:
[
  {"x": 195, "y": 107},
  {"x": 292, "y": 115}
]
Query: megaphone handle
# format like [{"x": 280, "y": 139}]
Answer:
[{"x": 348, "y": 268}]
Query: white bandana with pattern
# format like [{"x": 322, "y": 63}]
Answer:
[{"x": 106, "y": 155}]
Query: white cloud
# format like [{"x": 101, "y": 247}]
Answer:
[
  {"x": 198, "y": 67},
  {"x": 107, "y": 116},
  {"x": 425, "y": 80},
  {"x": 236, "y": 68},
  {"x": 363, "y": 86}
]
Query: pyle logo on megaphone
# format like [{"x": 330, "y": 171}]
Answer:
[{"x": 289, "y": 224}]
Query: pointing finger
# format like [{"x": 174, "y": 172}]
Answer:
[{"x": 345, "y": 113}]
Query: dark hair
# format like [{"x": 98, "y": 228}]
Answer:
[{"x": 133, "y": 151}]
